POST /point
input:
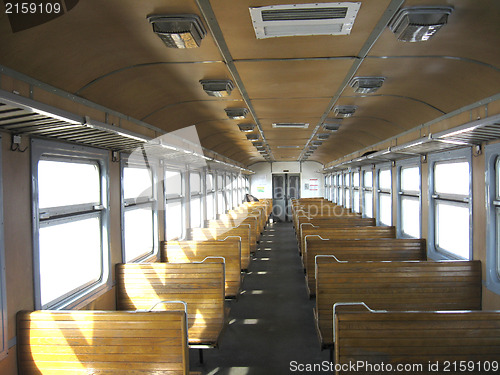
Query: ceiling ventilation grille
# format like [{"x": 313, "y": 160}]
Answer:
[{"x": 304, "y": 19}]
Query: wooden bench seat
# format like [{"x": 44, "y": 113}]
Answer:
[
  {"x": 102, "y": 342},
  {"x": 418, "y": 338},
  {"x": 197, "y": 251},
  {"x": 199, "y": 285},
  {"x": 347, "y": 233},
  {"x": 378, "y": 249},
  {"x": 226, "y": 221},
  {"x": 395, "y": 286},
  {"x": 241, "y": 232}
]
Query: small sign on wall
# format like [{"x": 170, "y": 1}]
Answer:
[{"x": 261, "y": 189}]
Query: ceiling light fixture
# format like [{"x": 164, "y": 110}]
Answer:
[
  {"x": 344, "y": 110},
  {"x": 418, "y": 24},
  {"x": 253, "y": 137},
  {"x": 332, "y": 124},
  {"x": 323, "y": 136},
  {"x": 288, "y": 125},
  {"x": 217, "y": 87},
  {"x": 366, "y": 85},
  {"x": 178, "y": 31},
  {"x": 246, "y": 127},
  {"x": 236, "y": 113}
]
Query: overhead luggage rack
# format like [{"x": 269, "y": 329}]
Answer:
[
  {"x": 471, "y": 134},
  {"x": 23, "y": 116}
]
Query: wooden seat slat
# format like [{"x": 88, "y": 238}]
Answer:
[
  {"x": 121, "y": 342},
  {"x": 417, "y": 338},
  {"x": 197, "y": 251},
  {"x": 396, "y": 285},
  {"x": 140, "y": 286}
]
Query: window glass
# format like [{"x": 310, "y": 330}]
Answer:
[
  {"x": 368, "y": 204},
  {"x": 66, "y": 254},
  {"x": 173, "y": 182},
  {"x": 368, "y": 179},
  {"x": 410, "y": 216},
  {"x": 410, "y": 178},
  {"x": 347, "y": 198},
  {"x": 174, "y": 220},
  {"x": 384, "y": 181},
  {"x": 139, "y": 232},
  {"x": 355, "y": 179},
  {"x": 210, "y": 182},
  {"x": 452, "y": 228},
  {"x": 385, "y": 209},
  {"x": 355, "y": 203},
  {"x": 65, "y": 183},
  {"x": 210, "y": 206},
  {"x": 195, "y": 216},
  {"x": 195, "y": 182},
  {"x": 70, "y": 216},
  {"x": 451, "y": 178},
  {"x": 137, "y": 183}
]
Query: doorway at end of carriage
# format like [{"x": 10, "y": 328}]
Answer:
[{"x": 286, "y": 186}]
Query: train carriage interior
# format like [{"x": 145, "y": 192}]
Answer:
[{"x": 145, "y": 143}]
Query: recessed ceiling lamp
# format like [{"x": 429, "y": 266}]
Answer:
[
  {"x": 288, "y": 147},
  {"x": 290, "y": 125},
  {"x": 332, "y": 124},
  {"x": 178, "y": 31},
  {"x": 217, "y": 87},
  {"x": 246, "y": 127},
  {"x": 323, "y": 136},
  {"x": 317, "y": 143},
  {"x": 253, "y": 137},
  {"x": 236, "y": 113},
  {"x": 366, "y": 85},
  {"x": 418, "y": 24},
  {"x": 344, "y": 110},
  {"x": 258, "y": 144}
]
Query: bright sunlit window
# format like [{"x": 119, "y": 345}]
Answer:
[
  {"x": 367, "y": 188},
  {"x": 174, "y": 213},
  {"x": 492, "y": 168},
  {"x": 450, "y": 223},
  {"x": 139, "y": 212},
  {"x": 70, "y": 226},
  {"x": 384, "y": 198},
  {"x": 409, "y": 199}
]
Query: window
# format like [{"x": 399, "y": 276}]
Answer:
[
  {"x": 221, "y": 204},
  {"x": 70, "y": 223},
  {"x": 328, "y": 186},
  {"x": 174, "y": 212},
  {"x": 384, "y": 199},
  {"x": 4, "y": 345},
  {"x": 228, "y": 192},
  {"x": 450, "y": 205},
  {"x": 409, "y": 221},
  {"x": 347, "y": 189},
  {"x": 367, "y": 188},
  {"x": 139, "y": 211},
  {"x": 356, "y": 192},
  {"x": 234, "y": 178},
  {"x": 492, "y": 153},
  {"x": 196, "y": 201},
  {"x": 335, "y": 186},
  {"x": 210, "y": 196}
]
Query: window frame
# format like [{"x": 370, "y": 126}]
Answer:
[
  {"x": 379, "y": 191},
  {"x": 356, "y": 189},
  {"x": 492, "y": 161},
  {"x": 128, "y": 205},
  {"x": 400, "y": 164},
  {"x": 54, "y": 150},
  {"x": 463, "y": 154},
  {"x": 4, "y": 338}
]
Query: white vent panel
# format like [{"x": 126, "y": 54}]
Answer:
[{"x": 304, "y": 19}]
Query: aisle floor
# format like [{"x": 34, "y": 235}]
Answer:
[{"x": 271, "y": 325}]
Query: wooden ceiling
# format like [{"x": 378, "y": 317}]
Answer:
[{"x": 106, "y": 52}]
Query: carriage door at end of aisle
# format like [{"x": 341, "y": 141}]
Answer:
[{"x": 285, "y": 187}]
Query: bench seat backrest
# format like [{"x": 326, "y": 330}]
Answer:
[
  {"x": 222, "y": 233},
  {"x": 197, "y": 251},
  {"x": 102, "y": 342},
  {"x": 395, "y": 286},
  {"x": 377, "y": 249},
  {"x": 199, "y": 285},
  {"x": 347, "y": 233},
  {"x": 419, "y": 338}
]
